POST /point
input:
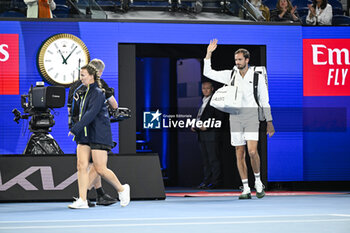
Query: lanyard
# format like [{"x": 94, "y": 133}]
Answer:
[{"x": 82, "y": 103}]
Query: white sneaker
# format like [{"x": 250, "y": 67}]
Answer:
[
  {"x": 259, "y": 187},
  {"x": 124, "y": 196},
  {"x": 79, "y": 204},
  {"x": 245, "y": 194},
  {"x": 246, "y": 191}
]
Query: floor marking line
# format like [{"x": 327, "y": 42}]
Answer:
[
  {"x": 165, "y": 218},
  {"x": 174, "y": 224},
  {"x": 341, "y": 215}
]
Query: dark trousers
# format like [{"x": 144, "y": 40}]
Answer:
[{"x": 211, "y": 163}]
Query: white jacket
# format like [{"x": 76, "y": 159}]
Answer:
[
  {"x": 323, "y": 17},
  {"x": 245, "y": 84},
  {"x": 33, "y": 10}
]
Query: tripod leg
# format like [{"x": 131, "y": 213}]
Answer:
[
  {"x": 29, "y": 146},
  {"x": 42, "y": 143}
]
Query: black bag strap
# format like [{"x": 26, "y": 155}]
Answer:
[
  {"x": 255, "y": 86},
  {"x": 233, "y": 77}
]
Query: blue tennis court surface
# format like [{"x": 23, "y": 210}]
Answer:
[{"x": 272, "y": 214}]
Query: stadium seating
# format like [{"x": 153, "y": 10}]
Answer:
[
  {"x": 302, "y": 8},
  {"x": 271, "y": 4},
  {"x": 337, "y": 7},
  {"x": 61, "y": 11},
  {"x": 13, "y": 13},
  {"x": 341, "y": 20},
  {"x": 303, "y": 19}
]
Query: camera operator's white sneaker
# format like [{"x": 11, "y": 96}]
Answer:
[
  {"x": 124, "y": 196},
  {"x": 79, "y": 204}
]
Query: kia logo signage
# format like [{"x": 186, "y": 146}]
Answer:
[
  {"x": 46, "y": 178},
  {"x": 326, "y": 66},
  {"x": 9, "y": 64}
]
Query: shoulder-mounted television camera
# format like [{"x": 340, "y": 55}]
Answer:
[{"x": 119, "y": 114}]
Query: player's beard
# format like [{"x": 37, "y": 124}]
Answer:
[{"x": 241, "y": 67}]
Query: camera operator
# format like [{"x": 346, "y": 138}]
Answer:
[{"x": 76, "y": 90}]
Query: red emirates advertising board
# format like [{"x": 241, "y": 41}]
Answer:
[
  {"x": 326, "y": 66},
  {"x": 9, "y": 64}
]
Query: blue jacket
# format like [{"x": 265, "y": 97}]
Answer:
[{"x": 94, "y": 124}]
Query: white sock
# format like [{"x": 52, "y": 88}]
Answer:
[
  {"x": 245, "y": 185},
  {"x": 257, "y": 178}
]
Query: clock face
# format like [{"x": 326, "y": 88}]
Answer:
[{"x": 61, "y": 57}]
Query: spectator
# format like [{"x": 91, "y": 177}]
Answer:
[
  {"x": 257, "y": 9},
  {"x": 320, "y": 13},
  {"x": 285, "y": 12},
  {"x": 265, "y": 11},
  {"x": 40, "y": 8}
]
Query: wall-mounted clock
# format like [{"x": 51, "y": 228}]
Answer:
[{"x": 60, "y": 58}]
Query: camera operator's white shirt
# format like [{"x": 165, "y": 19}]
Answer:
[{"x": 245, "y": 84}]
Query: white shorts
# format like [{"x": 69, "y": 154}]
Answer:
[{"x": 243, "y": 128}]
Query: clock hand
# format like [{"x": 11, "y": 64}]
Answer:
[
  {"x": 64, "y": 60},
  {"x": 70, "y": 54}
]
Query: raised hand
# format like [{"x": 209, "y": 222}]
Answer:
[
  {"x": 211, "y": 47},
  {"x": 312, "y": 10}
]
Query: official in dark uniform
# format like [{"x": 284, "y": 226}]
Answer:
[{"x": 209, "y": 140}]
